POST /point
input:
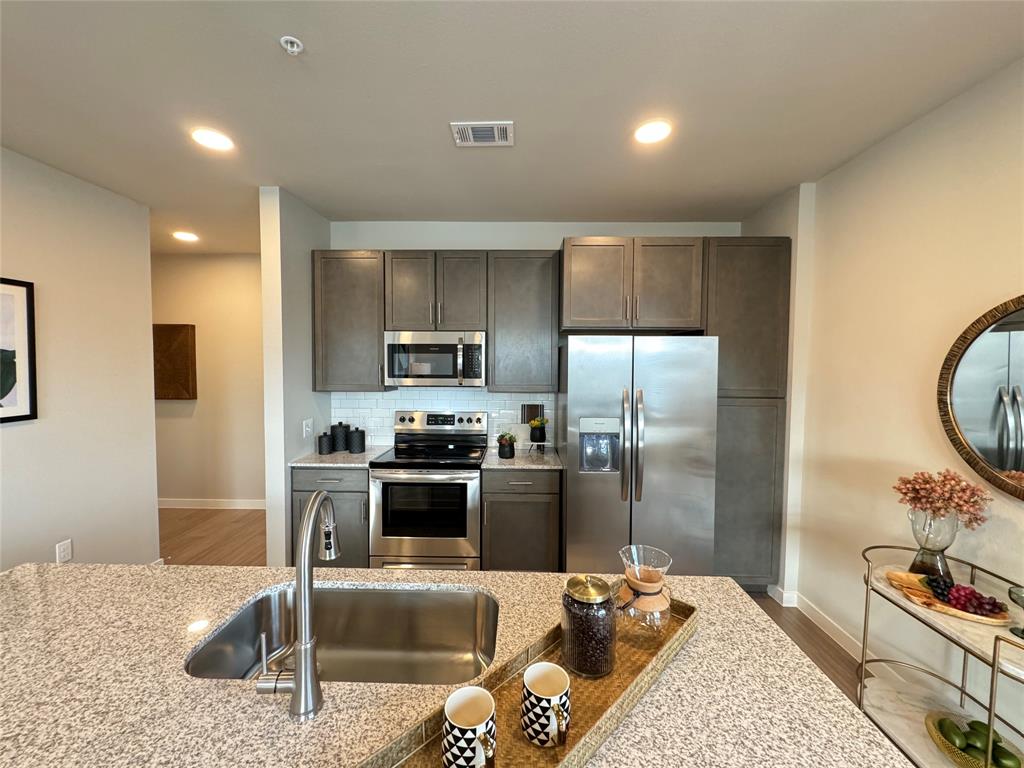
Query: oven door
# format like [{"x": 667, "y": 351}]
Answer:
[
  {"x": 424, "y": 513},
  {"x": 434, "y": 359}
]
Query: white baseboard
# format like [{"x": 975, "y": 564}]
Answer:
[
  {"x": 786, "y": 598},
  {"x": 212, "y": 503},
  {"x": 848, "y": 642}
]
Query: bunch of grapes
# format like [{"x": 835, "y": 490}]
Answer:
[
  {"x": 940, "y": 586},
  {"x": 970, "y": 600}
]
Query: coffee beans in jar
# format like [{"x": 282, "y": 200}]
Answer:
[{"x": 588, "y": 626}]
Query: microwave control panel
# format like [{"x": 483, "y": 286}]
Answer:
[{"x": 472, "y": 361}]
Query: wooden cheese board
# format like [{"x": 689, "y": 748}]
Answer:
[{"x": 914, "y": 590}]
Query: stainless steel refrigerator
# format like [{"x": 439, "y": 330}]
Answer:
[
  {"x": 987, "y": 394},
  {"x": 637, "y": 421}
]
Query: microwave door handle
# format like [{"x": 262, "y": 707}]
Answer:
[
  {"x": 625, "y": 449},
  {"x": 459, "y": 361}
]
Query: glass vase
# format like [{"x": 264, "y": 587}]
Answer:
[{"x": 934, "y": 535}]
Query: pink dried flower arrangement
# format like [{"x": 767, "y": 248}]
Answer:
[{"x": 944, "y": 493}]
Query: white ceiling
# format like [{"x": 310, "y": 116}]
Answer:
[{"x": 763, "y": 96}]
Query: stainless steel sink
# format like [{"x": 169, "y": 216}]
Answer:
[{"x": 363, "y": 635}]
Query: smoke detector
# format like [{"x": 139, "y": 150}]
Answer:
[
  {"x": 484, "y": 133},
  {"x": 292, "y": 45}
]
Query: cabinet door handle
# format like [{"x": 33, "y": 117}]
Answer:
[
  {"x": 627, "y": 306},
  {"x": 430, "y": 313},
  {"x": 520, "y": 482},
  {"x": 366, "y": 512},
  {"x": 636, "y": 307},
  {"x": 439, "y": 315},
  {"x": 485, "y": 514},
  {"x": 328, "y": 481}
]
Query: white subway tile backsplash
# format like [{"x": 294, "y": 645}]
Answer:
[{"x": 374, "y": 411}]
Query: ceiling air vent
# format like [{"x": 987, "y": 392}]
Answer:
[{"x": 492, "y": 133}]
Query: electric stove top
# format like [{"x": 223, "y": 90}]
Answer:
[{"x": 436, "y": 440}]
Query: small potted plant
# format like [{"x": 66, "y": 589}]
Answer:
[
  {"x": 506, "y": 445},
  {"x": 538, "y": 433},
  {"x": 938, "y": 504}
]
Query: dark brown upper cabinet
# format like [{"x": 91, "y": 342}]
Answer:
[
  {"x": 426, "y": 291},
  {"x": 626, "y": 282},
  {"x": 409, "y": 297},
  {"x": 668, "y": 275},
  {"x": 348, "y": 320},
  {"x": 597, "y": 282},
  {"x": 461, "y": 291},
  {"x": 522, "y": 321},
  {"x": 748, "y": 287}
]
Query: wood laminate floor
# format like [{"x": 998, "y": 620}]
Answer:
[
  {"x": 837, "y": 664},
  {"x": 213, "y": 536},
  {"x": 238, "y": 537}
]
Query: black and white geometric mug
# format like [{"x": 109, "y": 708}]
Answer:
[
  {"x": 469, "y": 731},
  {"x": 546, "y": 707}
]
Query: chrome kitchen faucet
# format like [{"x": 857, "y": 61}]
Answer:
[{"x": 304, "y": 683}]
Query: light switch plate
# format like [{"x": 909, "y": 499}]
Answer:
[
  {"x": 307, "y": 428},
  {"x": 64, "y": 551}
]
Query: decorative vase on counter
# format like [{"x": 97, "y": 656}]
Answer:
[
  {"x": 934, "y": 536},
  {"x": 506, "y": 450},
  {"x": 538, "y": 435}
]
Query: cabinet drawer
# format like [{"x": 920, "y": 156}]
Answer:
[
  {"x": 330, "y": 480},
  {"x": 521, "y": 481}
]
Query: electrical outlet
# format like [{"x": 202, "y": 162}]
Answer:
[
  {"x": 307, "y": 428},
  {"x": 64, "y": 552}
]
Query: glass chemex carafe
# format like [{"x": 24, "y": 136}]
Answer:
[{"x": 643, "y": 601}]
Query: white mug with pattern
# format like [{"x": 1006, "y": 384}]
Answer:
[
  {"x": 468, "y": 735},
  {"x": 546, "y": 707}
]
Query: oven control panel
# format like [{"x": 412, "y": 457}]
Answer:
[{"x": 441, "y": 421}]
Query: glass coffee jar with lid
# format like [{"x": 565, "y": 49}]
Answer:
[{"x": 588, "y": 626}]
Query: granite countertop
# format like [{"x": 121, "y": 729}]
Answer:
[
  {"x": 523, "y": 460},
  {"x": 93, "y": 675},
  {"x": 340, "y": 460}
]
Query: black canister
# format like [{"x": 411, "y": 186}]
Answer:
[
  {"x": 324, "y": 444},
  {"x": 339, "y": 436},
  {"x": 356, "y": 441},
  {"x": 588, "y": 626}
]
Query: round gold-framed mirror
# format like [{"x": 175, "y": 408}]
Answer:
[{"x": 981, "y": 396}]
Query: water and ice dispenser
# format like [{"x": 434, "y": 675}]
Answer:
[{"x": 599, "y": 444}]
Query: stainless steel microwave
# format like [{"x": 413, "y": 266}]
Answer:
[{"x": 434, "y": 358}]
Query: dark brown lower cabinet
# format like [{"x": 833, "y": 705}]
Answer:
[
  {"x": 520, "y": 532},
  {"x": 351, "y": 515},
  {"x": 749, "y": 489}
]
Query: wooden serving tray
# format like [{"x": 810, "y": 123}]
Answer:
[
  {"x": 910, "y": 585},
  {"x": 598, "y": 705}
]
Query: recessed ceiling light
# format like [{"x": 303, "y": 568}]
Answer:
[
  {"x": 292, "y": 45},
  {"x": 212, "y": 139},
  {"x": 188, "y": 237},
  {"x": 652, "y": 131}
]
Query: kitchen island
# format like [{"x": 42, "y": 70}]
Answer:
[{"x": 93, "y": 675}]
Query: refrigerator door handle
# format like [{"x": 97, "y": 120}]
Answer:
[
  {"x": 1006, "y": 454},
  {"x": 1018, "y": 405},
  {"x": 639, "y": 444},
  {"x": 625, "y": 449}
]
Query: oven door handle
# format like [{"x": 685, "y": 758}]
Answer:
[
  {"x": 459, "y": 354},
  {"x": 401, "y": 476}
]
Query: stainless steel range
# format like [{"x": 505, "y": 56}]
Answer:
[{"x": 425, "y": 492}]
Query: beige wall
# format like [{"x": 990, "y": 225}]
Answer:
[
  {"x": 86, "y": 468},
  {"x": 210, "y": 450},
  {"x": 791, "y": 215},
  {"x": 289, "y": 230},
  {"x": 914, "y": 239}
]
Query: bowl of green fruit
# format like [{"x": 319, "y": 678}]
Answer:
[{"x": 964, "y": 741}]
